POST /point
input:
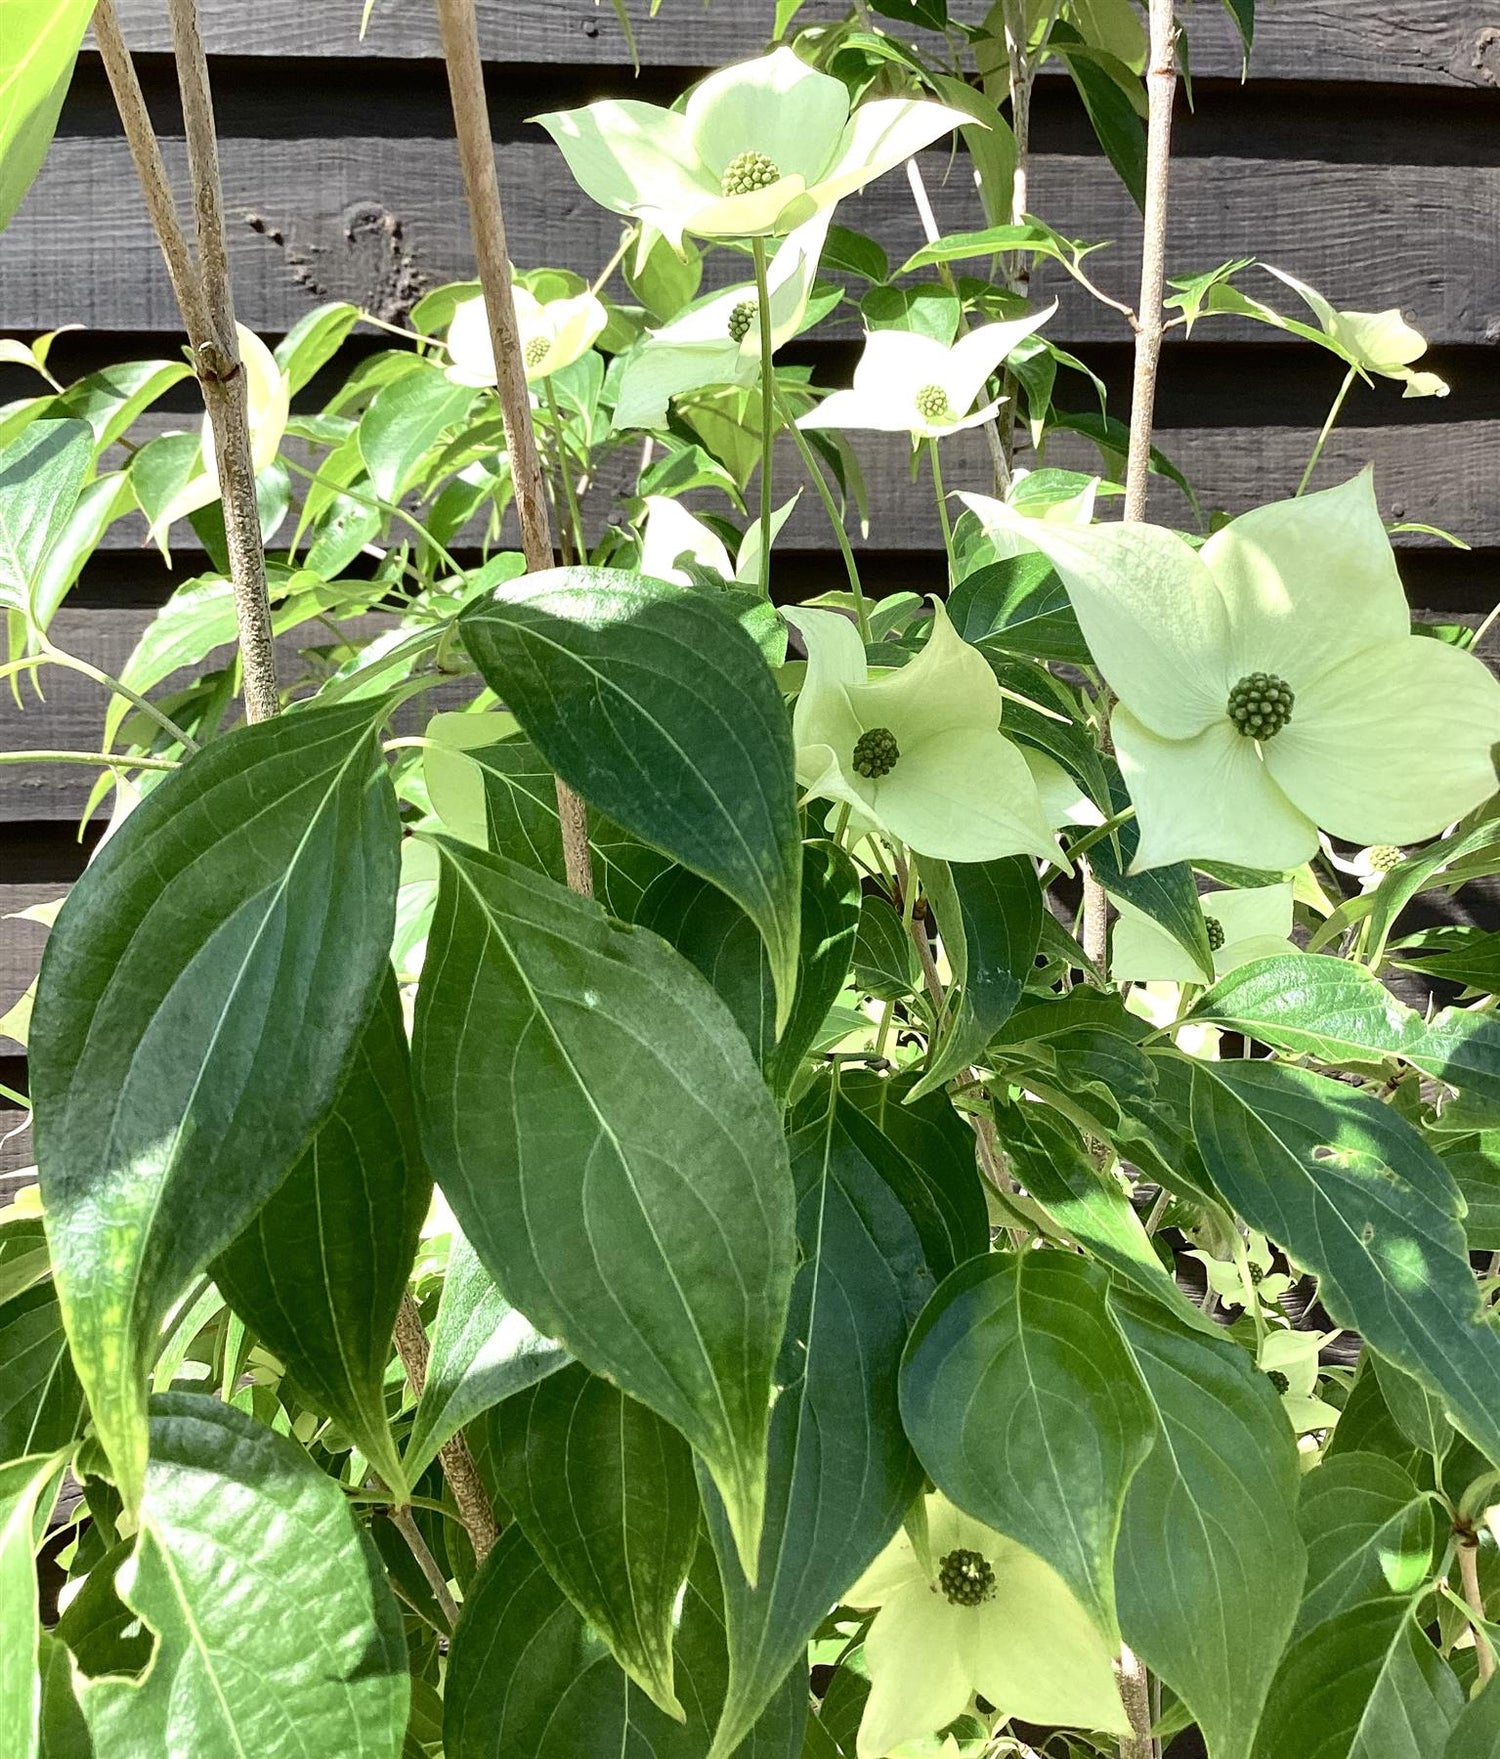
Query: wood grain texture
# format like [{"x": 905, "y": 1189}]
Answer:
[
  {"x": 1439, "y": 42},
  {"x": 379, "y": 221}
]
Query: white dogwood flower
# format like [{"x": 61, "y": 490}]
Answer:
[
  {"x": 717, "y": 341},
  {"x": 1269, "y": 683},
  {"x": 1243, "y": 924},
  {"x": 916, "y": 751},
  {"x": 906, "y": 383},
  {"x": 553, "y": 334},
  {"x": 987, "y": 1617},
  {"x": 1380, "y": 342},
  {"x": 757, "y": 149}
]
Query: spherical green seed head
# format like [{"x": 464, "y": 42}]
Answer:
[
  {"x": 1257, "y": 1275},
  {"x": 1215, "y": 932},
  {"x": 875, "y": 753},
  {"x": 742, "y": 319},
  {"x": 933, "y": 404},
  {"x": 1385, "y": 856},
  {"x": 537, "y": 350},
  {"x": 966, "y": 1578},
  {"x": 1260, "y": 705},
  {"x": 747, "y": 172},
  {"x": 1278, "y": 1380}
]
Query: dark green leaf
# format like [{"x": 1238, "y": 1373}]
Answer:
[
  {"x": 482, "y": 1352},
  {"x": 23, "y": 1483},
  {"x": 853, "y": 253},
  {"x": 1209, "y": 1566},
  {"x": 1100, "y": 80},
  {"x": 926, "y": 311},
  {"x": 659, "y": 709},
  {"x": 1369, "y": 1533},
  {"x": 1027, "y": 1410},
  {"x": 842, "y": 1472},
  {"x": 1019, "y": 606},
  {"x": 1417, "y": 1412},
  {"x": 595, "y": 1118},
  {"x": 605, "y": 1492},
  {"x": 404, "y": 421},
  {"x": 528, "y": 1679},
  {"x": 992, "y": 948},
  {"x": 932, "y": 15},
  {"x": 885, "y": 962},
  {"x": 1474, "y": 1162},
  {"x": 1476, "y": 1734},
  {"x": 1168, "y": 895},
  {"x": 306, "y": 1651},
  {"x": 251, "y": 892},
  {"x": 1354, "y": 1194},
  {"x": 1471, "y": 959},
  {"x": 64, "y": 1733},
  {"x": 319, "y": 1274},
  {"x": 41, "y": 1402}
]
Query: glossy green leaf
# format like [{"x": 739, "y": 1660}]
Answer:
[
  {"x": 885, "y": 962},
  {"x": 306, "y": 1652},
  {"x": 404, "y": 421},
  {"x": 1027, "y": 1410},
  {"x": 1365, "y": 1684},
  {"x": 314, "y": 340},
  {"x": 595, "y": 1118},
  {"x": 1355, "y": 1196},
  {"x": 842, "y": 1471},
  {"x": 64, "y": 1733},
  {"x": 1105, "y": 85},
  {"x": 41, "y": 474},
  {"x": 22, "y": 1486},
  {"x": 1417, "y": 1412},
  {"x": 1209, "y": 1566},
  {"x": 252, "y": 891},
  {"x": 1019, "y": 605},
  {"x": 319, "y": 1274},
  {"x": 1474, "y": 1162},
  {"x": 659, "y": 709},
  {"x": 482, "y": 1351},
  {"x": 1369, "y": 1531},
  {"x": 111, "y": 399},
  {"x": 41, "y": 1402},
  {"x": 1476, "y": 1734},
  {"x": 716, "y": 936},
  {"x": 36, "y": 63},
  {"x": 605, "y": 1492},
  {"x": 528, "y": 1679},
  {"x": 991, "y": 947}
]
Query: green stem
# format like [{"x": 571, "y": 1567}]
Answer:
[
  {"x": 570, "y": 494},
  {"x": 1333, "y": 415},
  {"x": 73, "y": 664},
  {"x": 767, "y": 408},
  {"x": 830, "y": 507},
  {"x": 11, "y": 1097},
  {"x": 389, "y": 508},
  {"x": 109, "y": 760},
  {"x": 942, "y": 507}
]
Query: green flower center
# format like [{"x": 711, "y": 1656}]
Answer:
[
  {"x": 741, "y": 319},
  {"x": 1278, "y": 1380},
  {"x": 966, "y": 1578},
  {"x": 875, "y": 753},
  {"x": 1215, "y": 932},
  {"x": 1257, "y": 1275},
  {"x": 1385, "y": 856},
  {"x": 1260, "y": 705},
  {"x": 747, "y": 172},
  {"x": 537, "y": 350},
  {"x": 933, "y": 405}
]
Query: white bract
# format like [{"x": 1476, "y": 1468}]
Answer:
[
  {"x": 1290, "y": 1358},
  {"x": 911, "y": 384},
  {"x": 669, "y": 533},
  {"x": 553, "y": 334},
  {"x": 1265, "y": 1283},
  {"x": 717, "y": 341},
  {"x": 269, "y": 409},
  {"x": 988, "y": 1617},
  {"x": 1380, "y": 342},
  {"x": 1253, "y": 923},
  {"x": 915, "y": 752},
  {"x": 1003, "y": 521},
  {"x": 758, "y": 148},
  {"x": 1270, "y": 684}
]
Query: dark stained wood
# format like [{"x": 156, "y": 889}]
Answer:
[
  {"x": 378, "y": 221},
  {"x": 1441, "y": 42}
]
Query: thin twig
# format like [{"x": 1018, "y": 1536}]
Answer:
[
  {"x": 458, "y": 1463},
  {"x": 1135, "y": 1693},
  {"x": 476, "y": 151},
  {"x": 216, "y": 356},
  {"x": 1161, "y": 87},
  {"x": 402, "y": 1521},
  {"x": 1468, "y": 1569}
]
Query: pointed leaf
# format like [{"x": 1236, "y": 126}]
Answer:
[
  {"x": 22, "y": 1485},
  {"x": 307, "y": 1650},
  {"x": 252, "y": 891},
  {"x": 842, "y": 1471},
  {"x": 528, "y": 1679},
  {"x": 319, "y": 1274},
  {"x": 36, "y": 64},
  {"x": 595, "y": 1118},
  {"x": 1369, "y": 1531},
  {"x": 659, "y": 709},
  {"x": 483, "y": 1351},
  {"x": 605, "y": 1492},
  {"x": 41, "y": 474},
  {"x": 1028, "y": 1411},
  {"x": 1211, "y": 1610},
  {"x": 41, "y": 1402},
  {"x": 1355, "y": 1195}
]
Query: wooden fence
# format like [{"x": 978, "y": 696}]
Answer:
[{"x": 1363, "y": 154}]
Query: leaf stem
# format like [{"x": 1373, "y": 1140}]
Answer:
[
  {"x": 73, "y": 664},
  {"x": 1468, "y": 1570},
  {"x": 570, "y": 494},
  {"x": 825, "y": 495},
  {"x": 1327, "y": 428},
  {"x": 110, "y": 760},
  {"x": 767, "y": 407},
  {"x": 942, "y": 507},
  {"x": 402, "y": 1521}
]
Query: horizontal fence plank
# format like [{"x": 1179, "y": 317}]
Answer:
[
  {"x": 1442, "y": 42},
  {"x": 379, "y": 221}
]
